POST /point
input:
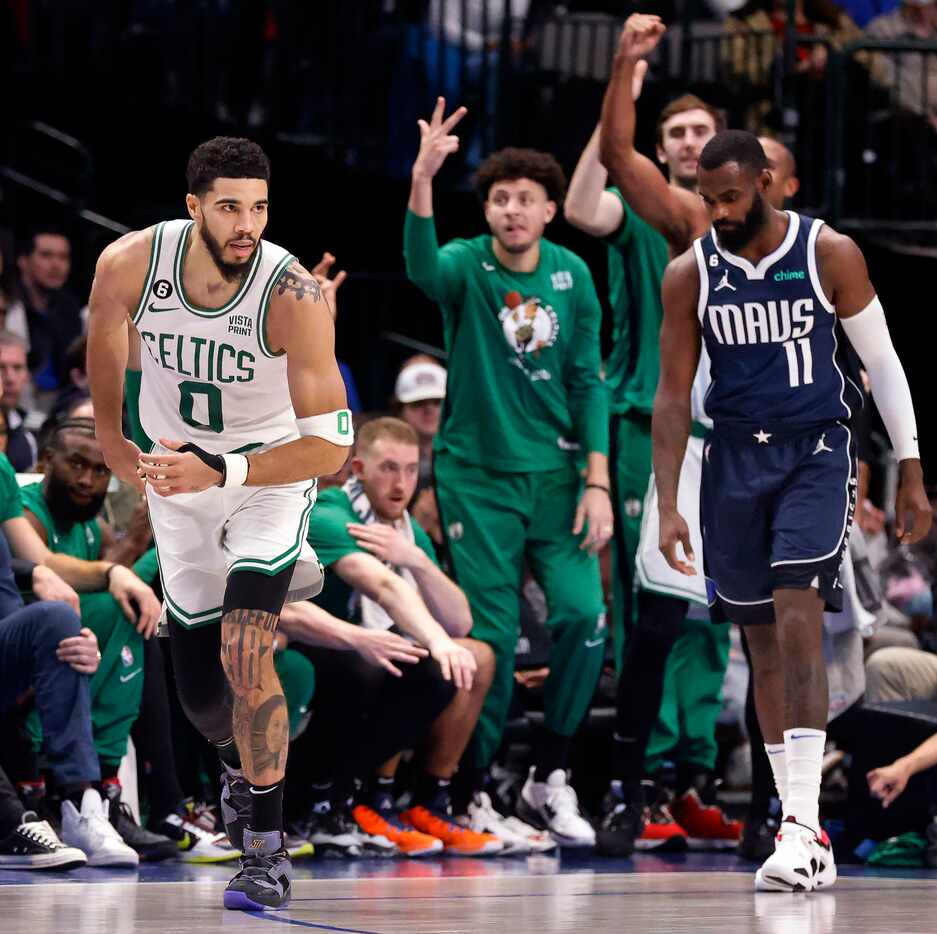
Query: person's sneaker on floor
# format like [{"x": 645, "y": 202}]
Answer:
[
  {"x": 801, "y": 862},
  {"x": 661, "y": 832},
  {"x": 553, "y": 805},
  {"x": 622, "y": 821},
  {"x": 263, "y": 880},
  {"x": 705, "y": 823},
  {"x": 35, "y": 845},
  {"x": 456, "y": 839},
  {"x": 90, "y": 831},
  {"x": 151, "y": 847},
  {"x": 482, "y": 817},
  {"x": 540, "y": 841},
  {"x": 385, "y": 822},
  {"x": 758, "y": 839},
  {"x": 234, "y": 804},
  {"x": 194, "y": 842},
  {"x": 330, "y": 831},
  {"x": 296, "y": 846}
]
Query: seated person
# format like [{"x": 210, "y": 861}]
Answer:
[
  {"x": 44, "y": 648},
  {"x": 901, "y": 673},
  {"x": 63, "y": 511},
  {"x": 382, "y": 573}
]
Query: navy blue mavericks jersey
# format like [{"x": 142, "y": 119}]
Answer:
[{"x": 778, "y": 353}]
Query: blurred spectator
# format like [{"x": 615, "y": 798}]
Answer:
[
  {"x": 14, "y": 376},
  {"x": 419, "y": 392},
  {"x": 46, "y": 314},
  {"x": 75, "y": 388},
  {"x": 912, "y": 75},
  {"x": 896, "y": 673}
]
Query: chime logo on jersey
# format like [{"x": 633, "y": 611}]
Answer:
[
  {"x": 761, "y": 322},
  {"x": 528, "y": 326}
]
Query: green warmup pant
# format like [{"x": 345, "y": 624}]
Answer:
[
  {"x": 117, "y": 685},
  {"x": 630, "y": 469},
  {"x": 298, "y": 680},
  {"x": 685, "y": 731},
  {"x": 492, "y": 522}
]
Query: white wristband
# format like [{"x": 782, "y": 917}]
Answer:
[
  {"x": 235, "y": 469},
  {"x": 335, "y": 427}
]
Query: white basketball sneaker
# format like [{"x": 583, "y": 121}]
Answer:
[
  {"x": 802, "y": 861},
  {"x": 553, "y": 805},
  {"x": 482, "y": 817},
  {"x": 90, "y": 831}
]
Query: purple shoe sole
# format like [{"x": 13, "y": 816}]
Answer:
[{"x": 238, "y": 901}]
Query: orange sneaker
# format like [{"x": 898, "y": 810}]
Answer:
[
  {"x": 457, "y": 840},
  {"x": 706, "y": 826},
  {"x": 661, "y": 832},
  {"x": 410, "y": 842}
]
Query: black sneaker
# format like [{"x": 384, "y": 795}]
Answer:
[
  {"x": 331, "y": 831},
  {"x": 151, "y": 847},
  {"x": 35, "y": 845},
  {"x": 235, "y": 806},
  {"x": 263, "y": 881},
  {"x": 621, "y": 824},
  {"x": 758, "y": 839}
]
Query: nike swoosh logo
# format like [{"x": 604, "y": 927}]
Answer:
[
  {"x": 265, "y": 791},
  {"x": 592, "y": 643},
  {"x": 156, "y": 311},
  {"x": 125, "y": 678},
  {"x": 802, "y": 736}
]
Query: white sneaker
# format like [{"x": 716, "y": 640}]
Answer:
[
  {"x": 199, "y": 845},
  {"x": 540, "y": 841},
  {"x": 552, "y": 805},
  {"x": 90, "y": 831},
  {"x": 482, "y": 817},
  {"x": 802, "y": 861}
]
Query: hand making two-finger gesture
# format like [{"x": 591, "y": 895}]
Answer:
[{"x": 436, "y": 140}]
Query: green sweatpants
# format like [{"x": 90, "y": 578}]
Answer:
[
  {"x": 493, "y": 521},
  {"x": 685, "y": 730},
  {"x": 298, "y": 680},
  {"x": 117, "y": 685},
  {"x": 630, "y": 447}
]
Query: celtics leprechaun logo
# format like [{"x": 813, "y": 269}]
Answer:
[{"x": 528, "y": 326}]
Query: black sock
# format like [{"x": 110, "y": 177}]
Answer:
[
  {"x": 109, "y": 770},
  {"x": 433, "y": 793},
  {"x": 381, "y": 792},
  {"x": 74, "y": 792},
  {"x": 267, "y": 807},
  {"x": 627, "y": 759},
  {"x": 229, "y": 755},
  {"x": 322, "y": 793},
  {"x": 552, "y": 754}
]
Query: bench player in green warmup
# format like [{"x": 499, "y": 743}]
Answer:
[{"x": 525, "y": 410}]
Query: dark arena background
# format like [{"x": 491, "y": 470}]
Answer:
[{"x": 105, "y": 100}]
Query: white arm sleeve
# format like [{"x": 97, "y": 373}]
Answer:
[{"x": 868, "y": 334}]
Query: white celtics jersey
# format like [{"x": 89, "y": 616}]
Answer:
[{"x": 209, "y": 376}]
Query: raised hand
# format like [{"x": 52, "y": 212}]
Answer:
[
  {"x": 436, "y": 140},
  {"x": 641, "y": 35},
  {"x": 329, "y": 286}
]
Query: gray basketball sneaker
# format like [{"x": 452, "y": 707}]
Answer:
[
  {"x": 235, "y": 805},
  {"x": 263, "y": 881}
]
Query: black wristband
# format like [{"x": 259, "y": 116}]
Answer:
[
  {"x": 215, "y": 461},
  {"x": 107, "y": 576},
  {"x": 598, "y": 486}
]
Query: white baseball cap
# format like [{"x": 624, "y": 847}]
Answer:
[{"x": 421, "y": 381}]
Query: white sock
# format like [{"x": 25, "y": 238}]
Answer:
[
  {"x": 777, "y": 757},
  {"x": 804, "y": 749}
]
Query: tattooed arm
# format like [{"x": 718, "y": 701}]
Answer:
[{"x": 260, "y": 718}]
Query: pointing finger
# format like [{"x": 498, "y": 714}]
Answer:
[{"x": 453, "y": 119}]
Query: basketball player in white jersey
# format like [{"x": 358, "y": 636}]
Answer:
[{"x": 244, "y": 401}]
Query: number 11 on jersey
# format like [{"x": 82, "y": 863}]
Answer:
[{"x": 792, "y": 362}]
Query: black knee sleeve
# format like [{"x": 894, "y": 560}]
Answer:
[
  {"x": 250, "y": 590},
  {"x": 200, "y": 679}
]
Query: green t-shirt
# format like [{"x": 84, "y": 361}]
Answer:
[
  {"x": 80, "y": 540},
  {"x": 637, "y": 257},
  {"x": 524, "y": 383},
  {"x": 329, "y": 536},
  {"x": 11, "y": 498}
]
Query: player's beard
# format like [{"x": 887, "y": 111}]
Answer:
[
  {"x": 736, "y": 238},
  {"x": 230, "y": 272},
  {"x": 63, "y": 508}
]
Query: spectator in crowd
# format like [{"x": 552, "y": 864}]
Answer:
[
  {"x": 44, "y": 647},
  {"x": 52, "y": 314},
  {"x": 75, "y": 388},
  {"x": 63, "y": 510},
  {"x": 14, "y": 376},
  {"x": 901, "y": 673},
  {"x": 911, "y": 76},
  {"x": 383, "y": 574},
  {"x": 526, "y": 411},
  {"x": 418, "y": 396}
]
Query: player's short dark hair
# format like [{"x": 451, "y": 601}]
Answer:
[
  {"x": 681, "y": 105},
  {"x": 50, "y": 438},
  {"x": 225, "y": 157},
  {"x": 513, "y": 163},
  {"x": 733, "y": 146},
  {"x": 76, "y": 355}
]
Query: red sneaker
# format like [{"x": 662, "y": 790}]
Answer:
[
  {"x": 706, "y": 825},
  {"x": 661, "y": 833}
]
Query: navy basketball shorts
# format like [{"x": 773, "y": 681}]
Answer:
[{"x": 776, "y": 509}]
